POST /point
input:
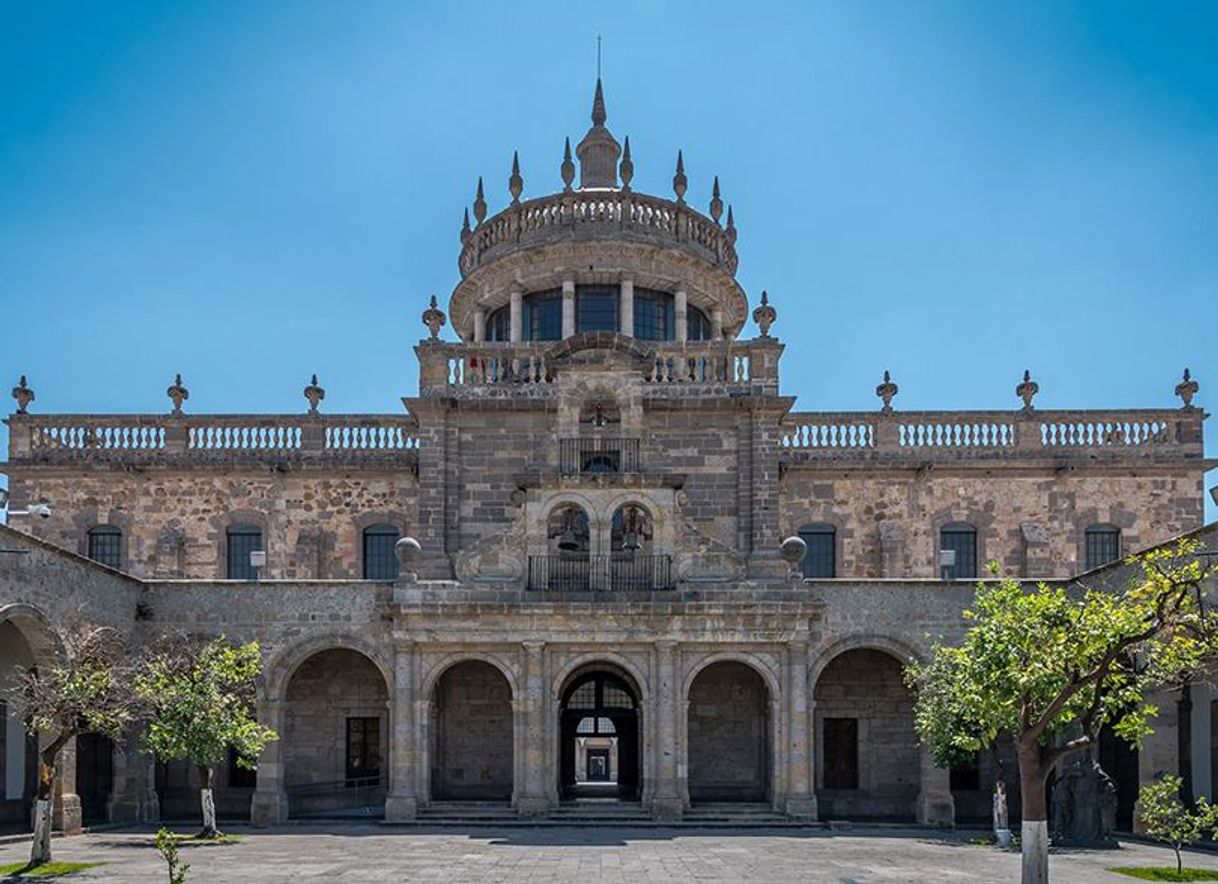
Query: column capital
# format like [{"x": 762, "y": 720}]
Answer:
[{"x": 533, "y": 646}]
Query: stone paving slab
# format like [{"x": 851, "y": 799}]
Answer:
[{"x": 359, "y": 854}]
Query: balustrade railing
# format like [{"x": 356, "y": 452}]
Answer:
[
  {"x": 623, "y": 572},
  {"x": 182, "y": 435},
  {"x": 619, "y": 213},
  {"x": 923, "y": 435}
]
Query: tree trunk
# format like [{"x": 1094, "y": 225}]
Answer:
[
  {"x": 40, "y": 850},
  {"x": 209, "y": 804},
  {"x": 1034, "y": 830}
]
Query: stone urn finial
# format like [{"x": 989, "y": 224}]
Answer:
[
  {"x": 764, "y": 315},
  {"x": 314, "y": 393},
  {"x": 1027, "y": 390},
  {"x": 177, "y": 393},
  {"x": 886, "y": 390},
  {"x": 568, "y": 166},
  {"x": 1187, "y": 389},
  {"x": 679, "y": 182},
  {"x": 515, "y": 181},
  {"x": 626, "y": 168},
  {"x": 24, "y": 394},
  {"x": 434, "y": 318},
  {"x": 716, "y": 203}
]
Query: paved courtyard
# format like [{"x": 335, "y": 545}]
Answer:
[{"x": 374, "y": 854}]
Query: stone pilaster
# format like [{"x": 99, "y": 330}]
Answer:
[
  {"x": 568, "y": 307},
  {"x": 666, "y": 803},
  {"x": 66, "y": 813},
  {"x": 935, "y": 804},
  {"x": 533, "y": 801},
  {"x": 801, "y": 800},
  {"x": 681, "y": 316},
  {"x": 516, "y": 316},
  {"x": 401, "y": 804},
  {"x": 133, "y": 799},
  {"x": 626, "y": 308},
  {"x": 269, "y": 806}
]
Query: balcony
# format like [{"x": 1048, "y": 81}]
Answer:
[
  {"x": 613, "y": 573},
  {"x": 598, "y": 455}
]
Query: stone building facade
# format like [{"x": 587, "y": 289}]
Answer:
[{"x": 597, "y": 555}]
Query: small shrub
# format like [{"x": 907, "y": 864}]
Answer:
[{"x": 167, "y": 847}]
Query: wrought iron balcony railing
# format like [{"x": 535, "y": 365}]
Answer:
[
  {"x": 623, "y": 572},
  {"x": 593, "y": 455}
]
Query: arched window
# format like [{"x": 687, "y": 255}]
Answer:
[
  {"x": 106, "y": 545},
  {"x": 697, "y": 326},
  {"x": 568, "y": 531},
  {"x": 380, "y": 561},
  {"x": 499, "y": 324},
  {"x": 1102, "y": 544},
  {"x": 821, "y": 561},
  {"x": 242, "y": 540},
  {"x": 958, "y": 551},
  {"x": 631, "y": 530}
]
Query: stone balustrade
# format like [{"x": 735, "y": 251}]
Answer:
[
  {"x": 931, "y": 435},
  {"x": 617, "y": 214},
  {"x": 76, "y": 437}
]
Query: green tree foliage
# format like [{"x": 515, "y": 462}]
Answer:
[
  {"x": 1050, "y": 667},
  {"x": 201, "y": 696},
  {"x": 1170, "y": 820},
  {"x": 167, "y": 847},
  {"x": 87, "y": 688}
]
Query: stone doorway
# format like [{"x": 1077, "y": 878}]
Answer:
[
  {"x": 599, "y": 725},
  {"x": 471, "y": 751},
  {"x": 729, "y": 734}
]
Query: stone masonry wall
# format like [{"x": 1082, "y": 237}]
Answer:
[{"x": 728, "y": 734}]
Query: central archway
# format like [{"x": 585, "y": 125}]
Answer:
[{"x": 599, "y": 726}]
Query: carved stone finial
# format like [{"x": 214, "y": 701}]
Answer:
[
  {"x": 515, "y": 182},
  {"x": 24, "y": 394},
  {"x": 1187, "y": 389},
  {"x": 177, "y": 394},
  {"x": 886, "y": 390},
  {"x": 716, "y": 204},
  {"x": 434, "y": 318},
  {"x": 764, "y": 315},
  {"x": 479, "y": 204},
  {"x": 568, "y": 167},
  {"x": 465, "y": 227},
  {"x": 1027, "y": 390},
  {"x": 731, "y": 226},
  {"x": 679, "y": 181},
  {"x": 793, "y": 550},
  {"x": 407, "y": 550},
  {"x": 627, "y": 166},
  {"x": 314, "y": 393}
]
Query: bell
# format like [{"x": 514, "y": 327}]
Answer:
[
  {"x": 568, "y": 543},
  {"x": 631, "y": 543}
]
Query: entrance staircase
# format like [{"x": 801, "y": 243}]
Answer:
[{"x": 604, "y": 812}]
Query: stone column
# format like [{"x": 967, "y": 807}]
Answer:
[
  {"x": 533, "y": 801},
  {"x": 717, "y": 324},
  {"x": 568, "y": 307},
  {"x": 680, "y": 304},
  {"x": 666, "y": 803},
  {"x": 935, "y": 804},
  {"x": 269, "y": 806},
  {"x": 133, "y": 799},
  {"x": 401, "y": 804},
  {"x": 65, "y": 812},
  {"x": 801, "y": 800},
  {"x": 479, "y": 326},
  {"x": 625, "y": 304},
  {"x": 516, "y": 316}
]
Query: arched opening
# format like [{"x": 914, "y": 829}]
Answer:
[
  {"x": 868, "y": 765},
  {"x": 471, "y": 746},
  {"x": 599, "y": 727},
  {"x": 335, "y": 745},
  {"x": 18, "y": 749},
  {"x": 567, "y": 565},
  {"x": 729, "y": 734}
]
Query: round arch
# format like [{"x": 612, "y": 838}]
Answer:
[
  {"x": 605, "y": 660},
  {"x": 45, "y": 643},
  {"x": 428, "y": 684},
  {"x": 760, "y": 666},
  {"x": 902, "y": 651},
  {"x": 284, "y": 663}
]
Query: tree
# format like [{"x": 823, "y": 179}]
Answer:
[
  {"x": 1051, "y": 667},
  {"x": 201, "y": 697},
  {"x": 167, "y": 847},
  {"x": 86, "y": 689},
  {"x": 1170, "y": 820}
]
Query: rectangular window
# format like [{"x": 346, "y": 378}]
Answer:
[
  {"x": 841, "y": 753},
  {"x": 654, "y": 316},
  {"x": 820, "y": 562},
  {"x": 596, "y": 308},
  {"x": 543, "y": 317},
  {"x": 106, "y": 546},
  {"x": 363, "y": 748},
  {"x": 962, "y": 541},
  {"x": 1103, "y": 546},
  {"x": 241, "y": 542},
  {"x": 240, "y": 777},
  {"x": 380, "y": 561}
]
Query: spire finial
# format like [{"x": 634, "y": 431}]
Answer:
[
  {"x": 627, "y": 168},
  {"x": 731, "y": 226},
  {"x": 465, "y": 225},
  {"x": 598, "y": 105},
  {"x": 515, "y": 182},
  {"x": 479, "y": 204},
  {"x": 679, "y": 182},
  {"x": 568, "y": 167},
  {"x": 716, "y": 204}
]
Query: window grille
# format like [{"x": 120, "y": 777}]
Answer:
[
  {"x": 654, "y": 315},
  {"x": 596, "y": 308},
  {"x": 543, "y": 316},
  {"x": 1103, "y": 545},
  {"x": 363, "y": 747},
  {"x": 106, "y": 545},
  {"x": 821, "y": 561},
  {"x": 243, "y": 540},
  {"x": 380, "y": 561},
  {"x": 961, "y": 539}
]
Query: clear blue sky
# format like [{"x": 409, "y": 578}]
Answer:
[{"x": 250, "y": 192}]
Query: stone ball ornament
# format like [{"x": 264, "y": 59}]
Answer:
[
  {"x": 408, "y": 550},
  {"x": 794, "y": 548}
]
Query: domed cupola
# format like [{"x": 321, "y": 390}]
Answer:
[{"x": 599, "y": 151}]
